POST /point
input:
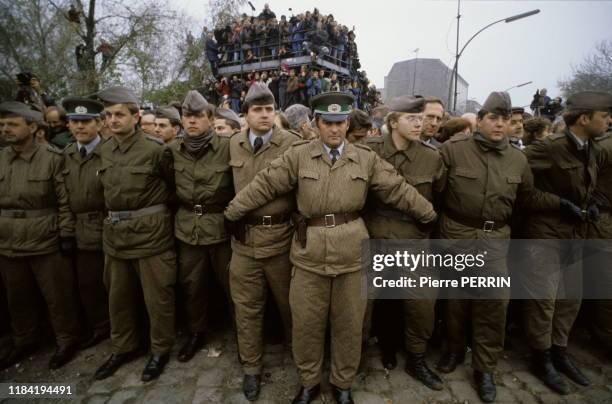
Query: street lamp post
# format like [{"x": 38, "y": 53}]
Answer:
[
  {"x": 416, "y": 60},
  {"x": 459, "y": 53}
]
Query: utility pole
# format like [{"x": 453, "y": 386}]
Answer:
[{"x": 416, "y": 60}]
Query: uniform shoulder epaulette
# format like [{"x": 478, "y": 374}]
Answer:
[
  {"x": 154, "y": 139},
  {"x": 363, "y": 146},
  {"x": 295, "y": 133},
  {"x": 300, "y": 143},
  {"x": 460, "y": 137},
  {"x": 55, "y": 150},
  {"x": 375, "y": 139},
  {"x": 424, "y": 143}
]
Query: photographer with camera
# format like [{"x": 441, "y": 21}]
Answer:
[{"x": 30, "y": 92}]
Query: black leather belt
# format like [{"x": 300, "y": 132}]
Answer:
[
  {"x": 484, "y": 225},
  {"x": 332, "y": 219},
  {"x": 201, "y": 209},
  {"x": 267, "y": 221}
]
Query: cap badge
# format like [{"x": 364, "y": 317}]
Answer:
[
  {"x": 80, "y": 110},
  {"x": 334, "y": 108}
]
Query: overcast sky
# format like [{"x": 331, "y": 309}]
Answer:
[{"x": 540, "y": 48}]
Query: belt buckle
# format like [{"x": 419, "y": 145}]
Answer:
[
  {"x": 266, "y": 221},
  {"x": 198, "y": 210},
  {"x": 114, "y": 219},
  {"x": 333, "y": 220},
  {"x": 488, "y": 226}
]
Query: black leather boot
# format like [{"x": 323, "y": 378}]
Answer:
[
  {"x": 191, "y": 347},
  {"x": 543, "y": 368},
  {"x": 62, "y": 356},
  {"x": 306, "y": 396},
  {"x": 416, "y": 366},
  {"x": 115, "y": 362},
  {"x": 485, "y": 386},
  {"x": 449, "y": 361},
  {"x": 342, "y": 396},
  {"x": 154, "y": 367},
  {"x": 564, "y": 364},
  {"x": 251, "y": 386}
]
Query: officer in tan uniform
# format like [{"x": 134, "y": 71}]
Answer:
[
  {"x": 204, "y": 187},
  {"x": 487, "y": 177},
  {"x": 36, "y": 237},
  {"x": 421, "y": 165},
  {"x": 261, "y": 242},
  {"x": 86, "y": 200},
  {"x": 138, "y": 241},
  {"x": 331, "y": 178},
  {"x": 226, "y": 123},
  {"x": 564, "y": 164},
  {"x": 597, "y": 262}
]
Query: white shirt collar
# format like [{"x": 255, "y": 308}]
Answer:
[
  {"x": 328, "y": 149},
  {"x": 265, "y": 137},
  {"x": 91, "y": 145},
  {"x": 581, "y": 143}
]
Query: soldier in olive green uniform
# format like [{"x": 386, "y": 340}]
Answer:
[
  {"x": 261, "y": 242},
  {"x": 331, "y": 178},
  {"x": 204, "y": 187},
  {"x": 487, "y": 178},
  {"x": 36, "y": 237},
  {"x": 138, "y": 241},
  {"x": 564, "y": 164},
  {"x": 600, "y": 275},
  {"x": 86, "y": 200},
  {"x": 422, "y": 166}
]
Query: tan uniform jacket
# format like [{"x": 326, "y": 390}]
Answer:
[
  {"x": 85, "y": 195},
  {"x": 32, "y": 180},
  {"x": 421, "y": 165},
  {"x": 561, "y": 168},
  {"x": 487, "y": 185},
  {"x": 324, "y": 189},
  {"x": 205, "y": 181},
  {"x": 602, "y": 194},
  {"x": 262, "y": 242},
  {"x": 135, "y": 174}
]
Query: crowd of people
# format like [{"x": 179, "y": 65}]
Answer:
[
  {"x": 119, "y": 208},
  {"x": 265, "y": 37}
]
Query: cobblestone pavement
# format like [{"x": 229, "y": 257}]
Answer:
[{"x": 214, "y": 376}]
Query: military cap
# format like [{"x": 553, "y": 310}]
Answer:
[
  {"x": 498, "y": 102},
  {"x": 168, "y": 112},
  {"x": 407, "y": 103},
  {"x": 117, "y": 95},
  {"x": 518, "y": 110},
  {"x": 591, "y": 100},
  {"x": 194, "y": 102},
  {"x": 80, "y": 108},
  {"x": 332, "y": 106},
  {"x": 23, "y": 110},
  {"x": 259, "y": 92},
  {"x": 226, "y": 113}
]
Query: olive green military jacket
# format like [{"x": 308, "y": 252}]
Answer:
[
  {"x": 421, "y": 165},
  {"x": 135, "y": 174},
  {"x": 260, "y": 241},
  {"x": 85, "y": 195},
  {"x": 484, "y": 184},
  {"x": 559, "y": 167},
  {"x": 602, "y": 194},
  {"x": 206, "y": 181},
  {"x": 63, "y": 139},
  {"x": 32, "y": 180},
  {"x": 323, "y": 189}
]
